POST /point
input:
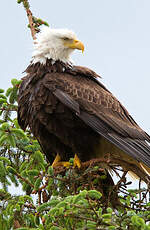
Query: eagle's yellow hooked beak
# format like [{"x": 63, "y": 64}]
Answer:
[{"x": 75, "y": 44}]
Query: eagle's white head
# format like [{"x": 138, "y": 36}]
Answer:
[{"x": 55, "y": 44}]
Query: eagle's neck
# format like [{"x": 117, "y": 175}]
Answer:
[
  {"x": 50, "y": 66},
  {"x": 43, "y": 52},
  {"x": 43, "y": 59}
]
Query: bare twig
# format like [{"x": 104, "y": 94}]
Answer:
[{"x": 31, "y": 23}]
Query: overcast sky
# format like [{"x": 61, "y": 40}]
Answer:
[{"x": 116, "y": 34}]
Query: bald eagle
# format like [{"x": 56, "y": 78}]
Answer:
[{"x": 71, "y": 112}]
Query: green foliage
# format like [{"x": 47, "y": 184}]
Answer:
[
  {"x": 37, "y": 22},
  {"x": 25, "y": 3},
  {"x": 50, "y": 200}
]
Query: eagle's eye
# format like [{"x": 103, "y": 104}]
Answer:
[{"x": 66, "y": 39}]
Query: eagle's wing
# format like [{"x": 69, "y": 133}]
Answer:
[{"x": 97, "y": 107}]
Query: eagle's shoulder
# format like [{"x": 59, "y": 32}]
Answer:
[{"x": 84, "y": 71}]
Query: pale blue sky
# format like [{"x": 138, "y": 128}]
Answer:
[{"x": 116, "y": 34}]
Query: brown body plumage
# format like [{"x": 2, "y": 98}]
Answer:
[{"x": 69, "y": 111}]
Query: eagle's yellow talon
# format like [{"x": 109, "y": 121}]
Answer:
[
  {"x": 56, "y": 161},
  {"x": 66, "y": 164},
  {"x": 77, "y": 161}
]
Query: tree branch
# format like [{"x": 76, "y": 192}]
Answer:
[
  {"x": 31, "y": 23},
  {"x": 30, "y": 17},
  {"x": 34, "y": 22}
]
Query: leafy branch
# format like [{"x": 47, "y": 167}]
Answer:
[{"x": 34, "y": 22}]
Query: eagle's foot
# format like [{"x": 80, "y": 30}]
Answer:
[
  {"x": 76, "y": 162},
  {"x": 58, "y": 162}
]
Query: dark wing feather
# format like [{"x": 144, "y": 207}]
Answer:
[
  {"x": 99, "y": 109},
  {"x": 138, "y": 149},
  {"x": 67, "y": 100}
]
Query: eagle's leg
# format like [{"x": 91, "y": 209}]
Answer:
[
  {"x": 57, "y": 159},
  {"x": 76, "y": 161},
  {"x": 58, "y": 162}
]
